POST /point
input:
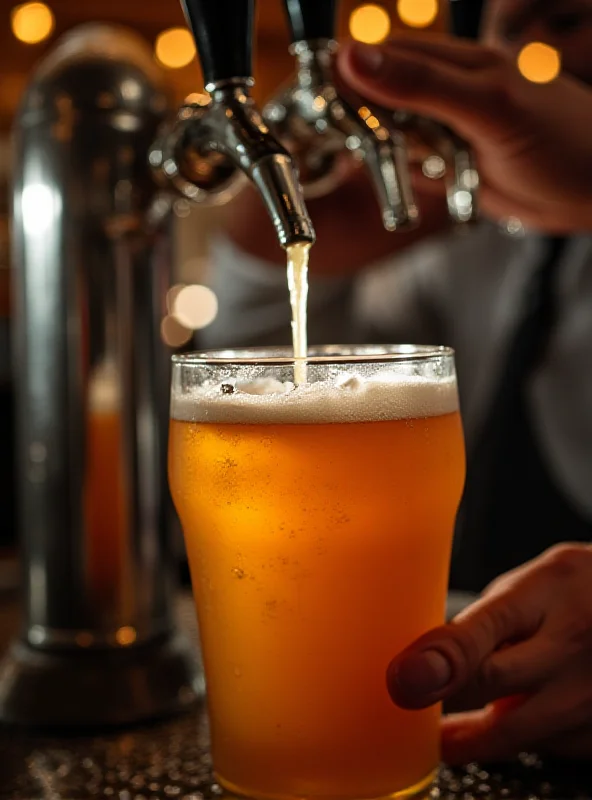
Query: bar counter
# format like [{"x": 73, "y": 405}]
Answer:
[{"x": 171, "y": 760}]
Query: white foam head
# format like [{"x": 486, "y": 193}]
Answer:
[{"x": 348, "y": 399}]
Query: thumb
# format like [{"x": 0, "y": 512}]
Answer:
[{"x": 452, "y": 657}]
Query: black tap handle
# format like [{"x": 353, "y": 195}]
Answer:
[
  {"x": 223, "y": 32},
  {"x": 465, "y": 16},
  {"x": 311, "y": 19}
]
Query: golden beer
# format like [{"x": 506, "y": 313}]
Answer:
[{"x": 318, "y": 525}]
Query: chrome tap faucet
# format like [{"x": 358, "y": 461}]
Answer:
[
  {"x": 444, "y": 156},
  {"x": 224, "y": 135},
  {"x": 323, "y": 128},
  {"x": 448, "y": 156},
  {"x": 319, "y": 124},
  {"x": 463, "y": 190}
]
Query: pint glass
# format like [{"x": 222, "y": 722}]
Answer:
[{"x": 318, "y": 520}]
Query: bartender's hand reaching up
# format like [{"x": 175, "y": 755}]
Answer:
[
  {"x": 533, "y": 142},
  {"x": 522, "y": 655}
]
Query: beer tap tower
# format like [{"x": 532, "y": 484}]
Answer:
[
  {"x": 216, "y": 141},
  {"x": 98, "y": 644}
]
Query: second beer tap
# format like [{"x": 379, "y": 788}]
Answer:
[{"x": 320, "y": 126}]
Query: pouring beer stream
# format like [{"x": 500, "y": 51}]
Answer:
[{"x": 298, "y": 256}]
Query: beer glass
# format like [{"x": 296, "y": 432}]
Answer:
[{"x": 318, "y": 520}]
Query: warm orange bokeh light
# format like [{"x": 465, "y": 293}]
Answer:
[
  {"x": 175, "y": 48},
  {"x": 32, "y": 22},
  {"x": 539, "y": 63},
  {"x": 417, "y": 13},
  {"x": 370, "y": 24},
  {"x": 126, "y": 636}
]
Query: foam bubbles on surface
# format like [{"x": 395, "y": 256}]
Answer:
[
  {"x": 261, "y": 386},
  {"x": 349, "y": 398}
]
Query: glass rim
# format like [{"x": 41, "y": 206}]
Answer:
[{"x": 261, "y": 356}]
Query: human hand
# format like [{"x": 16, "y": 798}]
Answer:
[
  {"x": 521, "y": 656},
  {"x": 532, "y": 141}
]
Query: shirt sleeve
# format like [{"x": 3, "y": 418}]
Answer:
[{"x": 401, "y": 300}]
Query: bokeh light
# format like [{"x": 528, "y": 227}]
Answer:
[
  {"x": 417, "y": 13},
  {"x": 126, "y": 635},
  {"x": 32, "y": 22},
  {"x": 434, "y": 167},
  {"x": 539, "y": 62},
  {"x": 370, "y": 23},
  {"x": 195, "y": 307},
  {"x": 171, "y": 296},
  {"x": 172, "y": 333},
  {"x": 175, "y": 48}
]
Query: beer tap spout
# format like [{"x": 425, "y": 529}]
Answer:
[
  {"x": 224, "y": 136},
  {"x": 314, "y": 119}
]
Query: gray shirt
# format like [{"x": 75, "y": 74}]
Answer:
[{"x": 465, "y": 291}]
